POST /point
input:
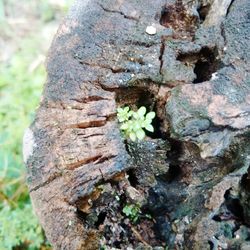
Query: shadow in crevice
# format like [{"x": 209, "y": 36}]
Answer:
[
  {"x": 132, "y": 178},
  {"x": 101, "y": 218},
  {"x": 203, "y": 11},
  {"x": 174, "y": 172},
  {"x": 205, "y": 63},
  {"x": 81, "y": 215},
  {"x": 230, "y": 209}
]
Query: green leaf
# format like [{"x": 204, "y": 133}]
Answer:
[
  {"x": 132, "y": 211},
  {"x": 143, "y": 124},
  {"x": 121, "y": 119},
  {"x": 119, "y": 110},
  {"x": 133, "y": 123},
  {"x": 136, "y": 125},
  {"x": 140, "y": 134},
  {"x": 132, "y": 136},
  {"x": 127, "y": 210},
  {"x": 149, "y": 128},
  {"x": 124, "y": 126},
  {"x": 150, "y": 115},
  {"x": 130, "y": 113},
  {"x": 126, "y": 109},
  {"x": 141, "y": 111},
  {"x": 135, "y": 115},
  {"x": 123, "y": 114}
]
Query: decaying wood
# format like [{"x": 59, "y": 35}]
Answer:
[{"x": 193, "y": 74}]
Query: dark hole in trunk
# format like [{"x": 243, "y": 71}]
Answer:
[
  {"x": 203, "y": 11},
  {"x": 174, "y": 172},
  {"x": 217, "y": 218},
  {"x": 101, "y": 219},
  {"x": 81, "y": 215},
  {"x": 133, "y": 180},
  {"x": 206, "y": 62}
]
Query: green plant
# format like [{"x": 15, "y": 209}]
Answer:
[
  {"x": 22, "y": 75},
  {"x": 19, "y": 228},
  {"x": 134, "y": 123},
  {"x": 132, "y": 211},
  {"x": 20, "y": 90}
]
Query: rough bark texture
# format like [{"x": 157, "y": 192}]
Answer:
[{"x": 190, "y": 175}]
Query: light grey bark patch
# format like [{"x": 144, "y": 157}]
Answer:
[
  {"x": 28, "y": 144},
  {"x": 217, "y": 12}
]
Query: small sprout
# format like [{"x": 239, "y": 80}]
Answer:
[
  {"x": 132, "y": 212},
  {"x": 134, "y": 123},
  {"x": 123, "y": 114},
  {"x": 148, "y": 216}
]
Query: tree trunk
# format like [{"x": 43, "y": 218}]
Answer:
[{"x": 181, "y": 186}]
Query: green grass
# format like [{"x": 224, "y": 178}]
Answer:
[
  {"x": 21, "y": 81},
  {"x": 20, "y": 90}
]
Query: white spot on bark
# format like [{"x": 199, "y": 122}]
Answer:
[
  {"x": 28, "y": 144},
  {"x": 151, "y": 30},
  {"x": 214, "y": 76}
]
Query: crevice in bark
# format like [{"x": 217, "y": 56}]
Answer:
[
  {"x": 158, "y": 127},
  {"x": 81, "y": 215},
  {"x": 205, "y": 63},
  {"x": 146, "y": 44},
  {"x": 45, "y": 183},
  {"x": 100, "y": 219},
  {"x": 96, "y": 122},
  {"x": 223, "y": 33},
  {"x": 89, "y": 99},
  {"x": 230, "y": 209},
  {"x": 174, "y": 172},
  {"x": 177, "y": 17},
  {"x": 83, "y": 135},
  {"x": 105, "y": 158},
  {"x": 132, "y": 178},
  {"x": 162, "y": 50},
  {"x": 133, "y": 96},
  {"x": 230, "y": 7},
  {"x": 113, "y": 69},
  {"x": 203, "y": 11},
  {"x": 119, "y": 12},
  {"x": 85, "y": 161}
]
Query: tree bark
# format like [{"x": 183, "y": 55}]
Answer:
[{"x": 186, "y": 176}]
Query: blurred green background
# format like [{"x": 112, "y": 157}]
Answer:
[{"x": 26, "y": 30}]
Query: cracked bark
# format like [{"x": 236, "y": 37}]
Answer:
[
  {"x": 100, "y": 59},
  {"x": 119, "y": 12}
]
